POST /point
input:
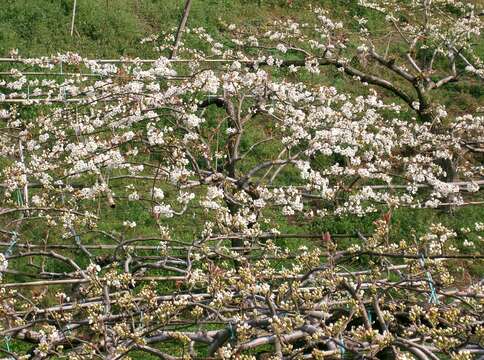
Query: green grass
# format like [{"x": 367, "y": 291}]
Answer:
[{"x": 113, "y": 28}]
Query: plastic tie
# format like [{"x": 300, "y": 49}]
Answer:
[
  {"x": 7, "y": 339},
  {"x": 433, "y": 299},
  {"x": 231, "y": 331},
  {"x": 341, "y": 346}
]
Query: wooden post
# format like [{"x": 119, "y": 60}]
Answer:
[{"x": 181, "y": 28}]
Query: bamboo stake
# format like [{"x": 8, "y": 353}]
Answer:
[
  {"x": 73, "y": 17},
  {"x": 184, "y": 278},
  {"x": 66, "y": 74},
  {"x": 26, "y": 186},
  {"x": 130, "y": 61}
]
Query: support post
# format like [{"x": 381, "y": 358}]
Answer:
[
  {"x": 73, "y": 17},
  {"x": 181, "y": 28}
]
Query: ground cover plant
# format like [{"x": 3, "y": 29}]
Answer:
[{"x": 299, "y": 189}]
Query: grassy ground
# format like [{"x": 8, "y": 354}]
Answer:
[{"x": 112, "y": 28}]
